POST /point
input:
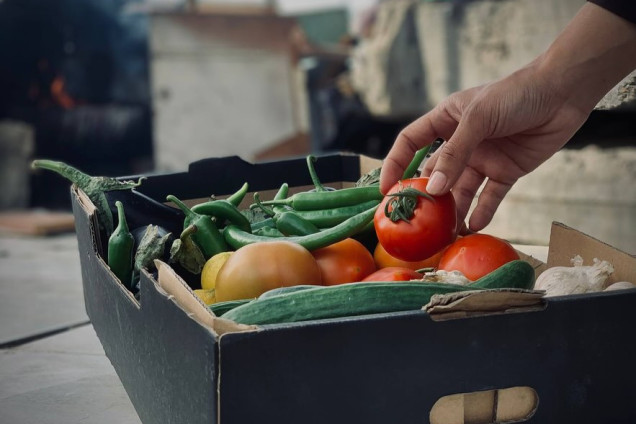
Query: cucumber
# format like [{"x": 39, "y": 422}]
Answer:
[
  {"x": 517, "y": 274},
  {"x": 221, "y": 308},
  {"x": 285, "y": 290},
  {"x": 340, "y": 301}
]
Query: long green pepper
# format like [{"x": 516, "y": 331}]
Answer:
[
  {"x": 207, "y": 237},
  {"x": 223, "y": 211},
  {"x": 94, "y": 187},
  {"x": 120, "y": 249},
  {"x": 352, "y": 226},
  {"x": 286, "y": 220},
  {"x": 314, "y": 200}
]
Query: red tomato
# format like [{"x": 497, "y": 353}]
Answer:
[
  {"x": 475, "y": 255},
  {"x": 344, "y": 262},
  {"x": 394, "y": 273},
  {"x": 431, "y": 227},
  {"x": 384, "y": 260}
]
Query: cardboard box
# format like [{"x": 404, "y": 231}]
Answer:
[{"x": 568, "y": 359}]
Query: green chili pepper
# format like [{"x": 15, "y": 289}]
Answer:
[
  {"x": 325, "y": 218},
  {"x": 286, "y": 221},
  {"x": 312, "y": 173},
  {"x": 281, "y": 194},
  {"x": 222, "y": 210},
  {"x": 120, "y": 249},
  {"x": 265, "y": 223},
  {"x": 238, "y": 197},
  {"x": 291, "y": 224},
  {"x": 270, "y": 232},
  {"x": 412, "y": 168},
  {"x": 207, "y": 237},
  {"x": 237, "y": 238},
  {"x": 94, "y": 187},
  {"x": 314, "y": 200}
]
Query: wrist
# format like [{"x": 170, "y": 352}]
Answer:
[{"x": 593, "y": 53}]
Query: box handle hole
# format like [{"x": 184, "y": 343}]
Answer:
[{"x": 509, "y": 405}]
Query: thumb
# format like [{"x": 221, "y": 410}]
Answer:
[{"x": 452, "y": 157}]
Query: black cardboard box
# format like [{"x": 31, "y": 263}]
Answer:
[{"x": 572, "y": 359}]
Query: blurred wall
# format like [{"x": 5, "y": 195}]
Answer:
[{"x": 222, "y": 84}]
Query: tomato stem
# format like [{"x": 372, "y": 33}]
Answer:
[{"x": 403, "y": 204}]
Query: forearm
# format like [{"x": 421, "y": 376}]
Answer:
[{"x": 592, "y": 54}]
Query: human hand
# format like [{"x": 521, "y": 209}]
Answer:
[
  {"x": 499, "y": 132},
  {"x": 495, "y": 133}
]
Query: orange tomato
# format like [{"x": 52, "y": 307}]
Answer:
[
  {"x": 346, "y": 261},
  {"x": 383, "y": 260},
  {"x": 256, "y": 268},
  {"x": 393, "y": 273}
]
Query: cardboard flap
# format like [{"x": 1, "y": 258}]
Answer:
[
  {"x": 471, "y": 303},
  {"x": 181, "y": 293},
  {"x": 566, "y": 242},
  {"x": 91, "y": 212}
]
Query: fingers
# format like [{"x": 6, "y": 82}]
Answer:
[
  {"x": 452, "y": 157},
  {"x": 413, "y": 137},
  {"x": 489, "y": 200},
  {"x": 465, "y": 190}
]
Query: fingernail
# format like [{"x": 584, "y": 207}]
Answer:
[{"x": 436, "y": 183}]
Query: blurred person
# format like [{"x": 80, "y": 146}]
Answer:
[{"x": 501, "y": 131}]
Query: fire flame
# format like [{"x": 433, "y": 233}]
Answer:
[{"x": 59, "y": 94}]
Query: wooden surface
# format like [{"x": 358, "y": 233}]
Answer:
[{"x": 36, "y": 223}]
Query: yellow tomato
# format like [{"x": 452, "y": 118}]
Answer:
[
  {"x": 207, "y": 296},
  {"x": 256, "y": 268},
  {"x": 211, "y": 270}
]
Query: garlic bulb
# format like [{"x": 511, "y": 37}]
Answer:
[
  {"x": 563, "y": 280},
  {"x": 620, "y": 285},
  {"x": 450, "y": 277}
]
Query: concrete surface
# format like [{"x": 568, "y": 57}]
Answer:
[
  {"x": 62, "y": 374},
  {"x": 62, "y": 379},
  {"x": 40, "y": 286}
]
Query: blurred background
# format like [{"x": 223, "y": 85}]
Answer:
[{"x": 122, "y": 87}]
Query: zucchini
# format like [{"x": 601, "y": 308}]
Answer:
[
  {"x": 517, "y": 274},
  {"x": 340, "y": 301}
]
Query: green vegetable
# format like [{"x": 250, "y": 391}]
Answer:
[
  {"x": 185, "y": 252},
  {"x": 314, "y": 200},
  {"x": 285, "y": 290},
  {"x": 152, "y": 246},
  {"x": 340, "y": 301},
  {"x": 236, "y": 198},
  {"x": 517, "y": 274},
  {"x": 286, "y": 220},
  {"x": 413, "y": 167},
  {"x": 325, "y": 218},
  {"x": 268, "y": 232},
  {"x": 94, "y": 187},
  {"x": 120, "y": 249},
  {"x": 291, "y": 224},
  {"x": 222, "y": 210},
  {"x": 220, "y": 308},
  {"x": 207, "y": 236},
  {"x": 311, "y": 159},
  {"x": 370, "y": 178},
  {"x": 238, "y": 238},
  {"x": 265, "y": 223}
]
